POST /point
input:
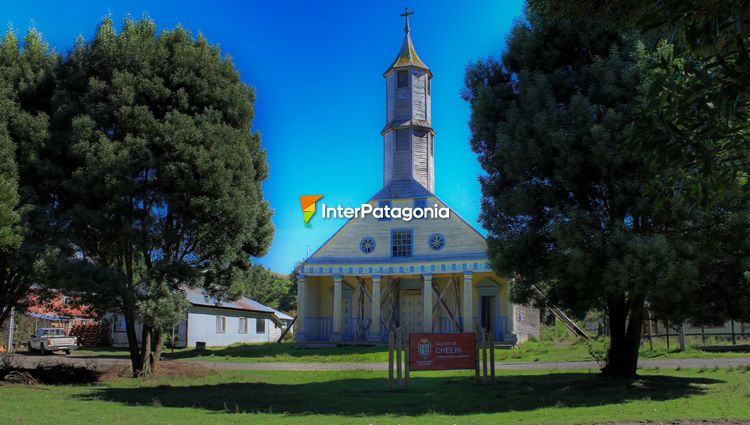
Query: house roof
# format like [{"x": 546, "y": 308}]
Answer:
[
  {"x": 282, "y": 315},
  {"x": 398, "y": 189},
  {"x": 196, "y": 297}
]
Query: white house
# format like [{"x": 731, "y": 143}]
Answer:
[
  {"x": 428, "y": 275},
  {"x": 213, "y": 323}
]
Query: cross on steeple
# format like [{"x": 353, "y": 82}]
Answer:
[{"x": 406, "y": 15}]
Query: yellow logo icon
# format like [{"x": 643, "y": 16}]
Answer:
[{"x": 307, "y": 202}]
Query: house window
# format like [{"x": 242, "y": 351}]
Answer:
[
  {"x": 402, "y": 140},
  {"x": 401, "y": 243},
  {"x": 429, "y": 84},
  {"x": 403, "y": 79},
  {"x": 260, "y": 326},
  {"x": 119, "y": 323},
  {"x": 383, "y": 204},
  {"x": 431, "y": 148},
  {"x": 221, "y": 324},
  {"x": 242, "y": 325}
]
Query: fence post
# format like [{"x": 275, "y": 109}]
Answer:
[
  {"x": 492, "y": 356},
  {"x": 398, "y": 356},
  {"x": 484, "y": 353},
  {"x": 703, "y": 333},
  {"x": 666, "y": 325},
  {"x": 734, "y": 336},
  {"x": 390, "y": 359},
  {"x": 476, "y": 354},
  {"x": 681, "y": 337},
  {"x": 406, "y": 357}
]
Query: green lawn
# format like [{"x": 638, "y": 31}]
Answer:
[
  {"x": 361, "y": 398},
  {"x": 545, "y": 350}
]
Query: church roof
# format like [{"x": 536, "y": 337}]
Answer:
[
  {"x": 407, "y": 56},
  {"x": 398, "y": 189}
]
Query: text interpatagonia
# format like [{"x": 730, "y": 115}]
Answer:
[{"x": 386, "y": 212}]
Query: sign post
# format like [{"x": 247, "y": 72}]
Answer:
[{"x": 430, "y": 351}]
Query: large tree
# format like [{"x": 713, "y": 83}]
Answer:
[
  {"x": 29, "y": 241},
  {"x": 165, "y": 173},
  {"x": 267, "y": 287},
  {"x": 565, "y": 197}
]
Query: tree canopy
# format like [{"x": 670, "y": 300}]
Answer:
[
  {"x": 29, "y": 236},
  {"x": 164, "y": 172},
  {"x": 567, "y": 200}
]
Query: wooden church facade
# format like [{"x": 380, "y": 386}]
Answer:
[{"x": 430, "y": 275}]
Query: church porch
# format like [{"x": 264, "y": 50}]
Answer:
[{"x": 341, "y": 309}]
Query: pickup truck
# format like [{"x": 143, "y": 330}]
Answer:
[{"x": 52, "y": 339}]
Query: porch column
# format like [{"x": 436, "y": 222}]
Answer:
[
  {"x": 301, "y": 301},
  {"x": 375, "y": 316},
  {"x": 468, "y": 310},
  {"x": 427, "y": 303},
  {"x": 338, "y": 329}
]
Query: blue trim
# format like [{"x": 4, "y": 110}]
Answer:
[
  {"x": 388, "y": 260},
  {"x": 374, "y": 245},
  {"x": 429, "y": 240},
  {"x": 411, "y": 240}
]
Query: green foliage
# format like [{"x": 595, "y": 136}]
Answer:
[
  {"x": 267, "y": 287},
  {"x": 29, "y": 238},
  {"x": 698, "y": 83}
]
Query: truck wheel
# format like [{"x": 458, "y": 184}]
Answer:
[
  {"x": 42, "y": 351},
  {"x": 67, "y": 352},
  {"x": 30, "y": 347}
]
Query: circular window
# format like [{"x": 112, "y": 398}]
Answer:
[
  {"x": 367, "y": 245},
  {"x": 436, "y": 241}
]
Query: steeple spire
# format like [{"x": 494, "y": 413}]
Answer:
[{"x": 407, "y": 56}]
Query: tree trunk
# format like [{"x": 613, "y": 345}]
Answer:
[
  {"x": 158, "y": 346},
  {"x": 625, "y": 322},
  {"x": 135, "y": 359},
  {"x": 145, "y": 369}
]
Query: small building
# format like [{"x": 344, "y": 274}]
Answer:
[
  {"x": 428, "y": 275},
  {"x": 215, "y": 323}
]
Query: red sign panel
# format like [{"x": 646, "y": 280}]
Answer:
[{"x": 441, "y": 351}]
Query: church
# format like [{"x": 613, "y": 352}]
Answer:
[{"x": 429, "y": 275}]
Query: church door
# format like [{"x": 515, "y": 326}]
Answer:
[{"x": 411, "y": 312}]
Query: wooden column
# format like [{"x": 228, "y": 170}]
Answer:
[
  {"x": 427, "y": 303},
  {"x": 301, "y": 301},
  {"x": 468, "y": 307},
  {"x": 375, "y": 315},
  {"x": 338, "y": 325}
]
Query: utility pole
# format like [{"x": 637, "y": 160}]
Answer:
[{"x": 11, "y": 325}]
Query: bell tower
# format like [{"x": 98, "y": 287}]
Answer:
[{"x": 408, "y": 136}]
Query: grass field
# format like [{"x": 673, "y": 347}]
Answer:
[{"x": 361, "y": 398}]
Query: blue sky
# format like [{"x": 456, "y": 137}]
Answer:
[{"x": 317, "y": 70}]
